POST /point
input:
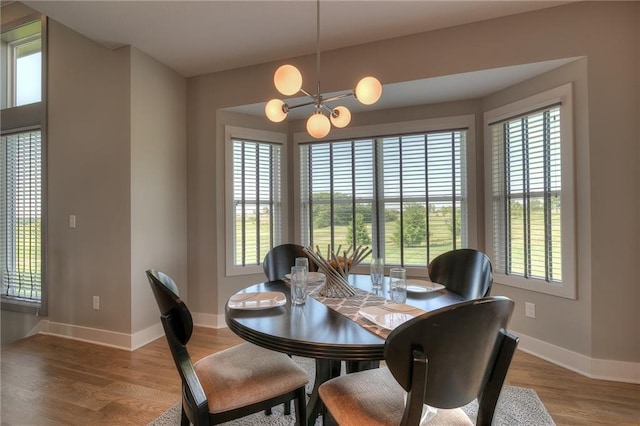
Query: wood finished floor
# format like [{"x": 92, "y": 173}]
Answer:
[{"x": 48, "y": 380}]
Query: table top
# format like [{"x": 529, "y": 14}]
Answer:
[{"x": 316, "y": 331}]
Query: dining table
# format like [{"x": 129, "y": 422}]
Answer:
[{"x": 322, "y": 331}]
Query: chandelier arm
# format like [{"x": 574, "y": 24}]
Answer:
[
  {"x": 308, "y": 94},
  {"x": 301, "y": 105},
  {"x": 335, "y": 98}
]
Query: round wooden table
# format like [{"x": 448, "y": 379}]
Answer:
[{"x": 314, "y": 330}]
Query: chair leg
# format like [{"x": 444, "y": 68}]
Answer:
[
  {"x": 301, "y": 407},
  {"x": 287, "y": 408},
  {"x": 267, "y": 412},
  {"x": 184, "y": 420}
]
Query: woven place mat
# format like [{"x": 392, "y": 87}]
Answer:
[{"x": 349, "y": 306}]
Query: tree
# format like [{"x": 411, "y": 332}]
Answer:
[
  {"x": 361, "y": 231},
  {"x": 414, "y": 226}
]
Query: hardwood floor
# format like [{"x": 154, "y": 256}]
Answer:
[{"x": 48, "y": 380}]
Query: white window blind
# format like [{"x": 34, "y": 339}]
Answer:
[
  {"x": 527, "y": 189},
  {"x": 21, "y": 215},
  {"x": 257, "y": 200},
  {"x": 402, "y": 195}
]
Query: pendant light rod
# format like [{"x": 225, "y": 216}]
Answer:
[{"x": 318, "y": 44}]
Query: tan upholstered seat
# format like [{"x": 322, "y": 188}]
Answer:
[
  {"x": 247, "y": 373},
  {"x": 444, "y": 358},
  {"x": 374, "y": 398}
]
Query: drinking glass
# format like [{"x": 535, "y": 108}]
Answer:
[
  {"x": 302, "y": 261},
  {"x": 298, "y": 285},
  {"x": 398, "y": 285},
  {"x": 377, "y": 272}
]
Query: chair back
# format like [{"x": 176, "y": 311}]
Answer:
[
  {"x": 466, "y": 272},
  {"x": 178, "y": 327},
  {"x": 449, "y": 357},
  {"x": 280, "y": 259}
]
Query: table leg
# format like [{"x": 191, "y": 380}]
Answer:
[
  {"x": 326, "y": 369},
  {"x": 355, "y": 366}
]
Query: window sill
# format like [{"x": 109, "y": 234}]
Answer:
[
  {"x": 15, "y": 305},
  {"x": 563, "y": 289}
]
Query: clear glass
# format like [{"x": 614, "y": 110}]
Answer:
[
  {"x": 303, "y": 261},
  {"x": 298, "y": 285},
  {"x": 377, "y": 272},
  {"x": 398, "y": 285}
]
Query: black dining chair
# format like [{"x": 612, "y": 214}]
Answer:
[
  {"x": 279, "y": 260},
  {"x": 466, "y": 272},
  {"x": 445, "y": 359},
  {"x": 229, "y": 384}
]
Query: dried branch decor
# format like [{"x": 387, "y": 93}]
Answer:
[{"x": 336, "y": 266}]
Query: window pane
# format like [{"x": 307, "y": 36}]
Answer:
[
  {"x": 21, "y": 215},
  {"x": 22, "y": 56},
  {"x": 527, "y": 188},
  {"x": 404, "y": 196},
  {"x": 257, "y": 200}
]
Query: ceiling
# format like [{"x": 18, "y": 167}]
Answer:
[{"x": 199, "y": 37}]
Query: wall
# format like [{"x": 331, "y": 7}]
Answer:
[
  {"x": 603, "y": 323},
  {"x": 158, "y": 182},
  {"x": 88, "y": 176}
]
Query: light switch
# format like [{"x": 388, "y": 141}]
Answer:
[{"x": 72, "y": 221}]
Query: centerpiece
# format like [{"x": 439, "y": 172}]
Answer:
[{"x": 336, "y": 265}]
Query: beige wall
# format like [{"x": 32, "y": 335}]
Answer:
[
  {"x": 603, "y": 323},
  {"x": 158, "y": 182},
  {"x": 88, "y": 176}
]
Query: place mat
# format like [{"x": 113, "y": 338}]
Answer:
[{"x": 349, "y": 306}]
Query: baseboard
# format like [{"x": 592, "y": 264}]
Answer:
[
  {"x": 87, "y": 334},
  {"x": 601, "y": 369},
  {"x": 148, "y": 335},
  {"x": 208, "y": 320}
]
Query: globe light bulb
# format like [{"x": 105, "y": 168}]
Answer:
[
  {"x": 274, "y": 110},
  {"x": 288, "y": 80},
  {"x": 340, "y": 117},
  {"x": 368, "y": 90},
  {"x": 318, "y": 125}
]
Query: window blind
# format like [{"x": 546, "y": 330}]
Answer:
[
  {"x": 527, "y": 185},
  {"x": 257, "y": 199},
  {"x": 403, "y": 195},
  {"x": 21, "y": 215}
]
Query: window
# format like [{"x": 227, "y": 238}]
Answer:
[
  {"x": 21, "y": 50},
  {"x": 22, "y": 171},
  {"x": 21, "y": 216},
  {"x": 531, "y": 203},
  {"x": 404, "y": 195},
  {"x": 255, "y": 211}
]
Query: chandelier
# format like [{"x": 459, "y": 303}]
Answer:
[{"x": 288, "y": 81}]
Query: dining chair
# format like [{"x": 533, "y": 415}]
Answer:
[
  {"x": 280, "y": 259},
  {"x": 466, "y": 272},
  {"x": 445, "y": 359},
  {"x": 229, "y": 384}
]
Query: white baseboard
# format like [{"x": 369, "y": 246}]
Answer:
[
  {"x": 147, "y": 335},
  {"x": 87, "y": 334},
  {"x": 209, "y": 320},
  {"x": 113, "y": 339},
  {"x": 601, "y": 369}
]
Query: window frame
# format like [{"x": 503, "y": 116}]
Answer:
[
  {"x": 562, "y": 95},
  {"x": 31, "y": 117},
  {"x": 231, "y": 133},
  {"x": 397, "y": 128}
]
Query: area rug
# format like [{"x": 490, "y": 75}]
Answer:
[{"x": 516, "y": 407}]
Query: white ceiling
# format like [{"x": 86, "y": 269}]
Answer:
[{"x": 199, "y": 37}]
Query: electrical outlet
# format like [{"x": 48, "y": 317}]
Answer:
[
  {"x": 530, "y": 309},
  {"x": 96, "y": 303}
]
